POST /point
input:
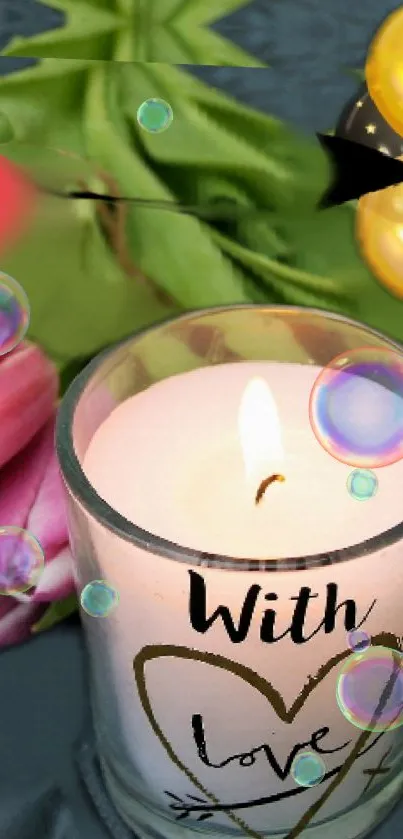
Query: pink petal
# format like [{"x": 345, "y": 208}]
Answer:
[
  {"x": 15, "y": 625},
  {"x": 6, "y": 604},
  {"x": 28, "y": 394},
  {"x": 47, "y": 519},
  {"x": 18, "y": 202},
  {"x": 21, "y": 479},
  {"x": 57, "y": 580}
]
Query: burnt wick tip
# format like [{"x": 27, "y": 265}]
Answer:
[{"x": 266, "y": 483}]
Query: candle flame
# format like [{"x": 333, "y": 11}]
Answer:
[{"x": 259, "y": 431}]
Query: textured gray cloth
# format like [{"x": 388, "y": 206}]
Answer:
[
  {"x": 311, "y": 47},
  {"x": 47, "y": 817}
]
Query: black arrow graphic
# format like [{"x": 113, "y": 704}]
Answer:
[{"x": 357, "y": 170}]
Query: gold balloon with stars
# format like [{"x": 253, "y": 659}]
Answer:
[
  {"x": 379, "y": 233},
  {"x": 384, "y": 70}
]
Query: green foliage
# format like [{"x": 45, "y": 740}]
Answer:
[
  {"x": 113, "y": 54},
  {"x": 172, "y": 31},
  {"x": 80, "y": 298},
  {"x": 56, "y": 612}
]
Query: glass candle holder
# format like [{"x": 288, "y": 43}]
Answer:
[{"x": 213, "y": 501}]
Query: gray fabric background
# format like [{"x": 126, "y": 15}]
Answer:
[{"x": 310, "y": 44}]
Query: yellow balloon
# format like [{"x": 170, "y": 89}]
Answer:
[
  {"x": 379, "y": 232},
  {"x": 384, "y": 70}
]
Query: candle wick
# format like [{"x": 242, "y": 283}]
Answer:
[{"x": 266, "y": 483}]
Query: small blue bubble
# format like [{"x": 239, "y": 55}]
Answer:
[
  {"x": 362, "y": 484},
  {"x": 154, "y": 115},
  {"x": 308, "y": 769},
  {"x": 21, "y": 560},
  {"x": 14, "y": 313},
  {"x": 98, "y": 599},
  {"x": 358, "y": 640}
]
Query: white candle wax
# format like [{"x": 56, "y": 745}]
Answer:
[
  {"x": 176, "y": 461},
  {"x": 171, "y": 460}
]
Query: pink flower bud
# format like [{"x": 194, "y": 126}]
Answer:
[
  {"x": 28, "y": 394},
  {"x": 31, "y": 490},
  {"x": 18, "y": 199}
]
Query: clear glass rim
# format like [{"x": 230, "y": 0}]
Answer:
[{"x": 81, "y": 488}]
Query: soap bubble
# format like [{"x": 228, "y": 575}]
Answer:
[
  {"x": 154, "y": 115},
  {"x": 308, "y": 769},
  {"x": 356, "y": 407},
  {"x": 98, "y": 599},
  {"x": 14, "y": 313},
  {"x": 21, "y": 560},
  {"x": 362, "y": 484},
  {"x": 370, "y": 689},
  {"x": 358, "y": 640}
]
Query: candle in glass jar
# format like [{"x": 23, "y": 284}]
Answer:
[{"x": 184, "y": 460}]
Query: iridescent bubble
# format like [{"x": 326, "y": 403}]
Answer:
[
  {"x": 308, "y": 769},
  {"x": 370, "y": 689},
  {"x": 14, "y": 313},
  {"x": 356, "y": 407},
  {"x": 98, "y": 599},
  {"x": 358, "y": 640},
  {"x": 21, "y": 560},
  {"x": 154, "y": 115},
  {"x": 362, "y": 484}
]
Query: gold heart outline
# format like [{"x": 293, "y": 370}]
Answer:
[{"x": 271, "y": 694}]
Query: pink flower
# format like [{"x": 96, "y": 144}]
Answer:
[
  {"x": 31, "y": 491},
  {"x": 17, "y": 205}
]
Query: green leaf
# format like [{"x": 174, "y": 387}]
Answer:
[
  {"x": 134, "y": 30},
  {"x": 6, "y": 129},
  {"x": 324, "y": 244},
  {"x": 56, "y": 612},
  {"x": 292, "y": 285},
  {"x": 260, "y": 130},
  {"x": 42, "y": 104},
  {"x": 79, "y": 297},
  {"x": 175, "y": 250},
  {"x": 379, "y": 309},
  {"x": 79, "y": 37},
  {"x": 301, "y": 157},
  {"x": 50, "y": 166},
  {"x": 47, "y": 69},
  {"x": 289, "y": 170}
]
